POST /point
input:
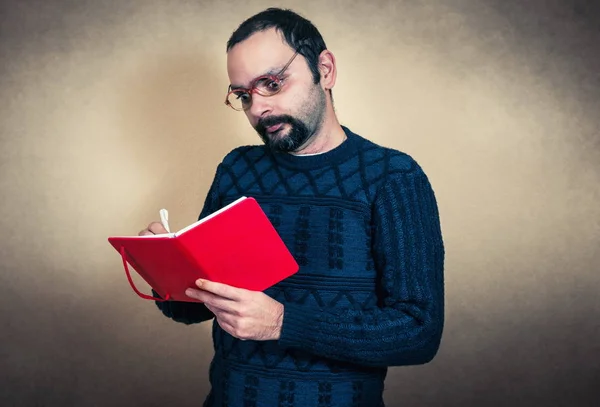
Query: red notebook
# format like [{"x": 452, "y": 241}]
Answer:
[{"x": 237, "y": 245}]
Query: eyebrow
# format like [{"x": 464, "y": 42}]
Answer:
[{"x": 272, "y": 71}]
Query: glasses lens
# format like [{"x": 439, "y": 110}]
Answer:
[
  {"x": 239, "y": 100},
  {"x": 268, "y": 86}
]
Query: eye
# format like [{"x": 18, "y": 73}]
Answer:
[
  {"x": 272, "y": 86},
  {"x": 268, "y": 85},
  {"x": 243, "y": 96}
]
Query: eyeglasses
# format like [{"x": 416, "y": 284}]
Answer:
[{"x": 267, "y": 85}]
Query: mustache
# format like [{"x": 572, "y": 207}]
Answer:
[{"x": 265, "y": 122}]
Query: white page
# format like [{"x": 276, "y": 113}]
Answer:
[
  {"x": 173, "y": 234},
  {"x": 223, "y": 209}
]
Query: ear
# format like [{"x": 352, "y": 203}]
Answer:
[{"x": 328, "y": 69}]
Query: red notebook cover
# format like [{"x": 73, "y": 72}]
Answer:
[{"x": 236, "y": 245}]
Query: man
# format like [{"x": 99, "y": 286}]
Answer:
[{"x": 360, "y": 219}]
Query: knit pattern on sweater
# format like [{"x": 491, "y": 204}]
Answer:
[{"x": 362, "y": 222}]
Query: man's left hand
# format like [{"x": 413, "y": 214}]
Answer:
[{"x": 244, "y": 314}]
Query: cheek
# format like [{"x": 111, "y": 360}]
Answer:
[
  {"x": 293, "y": 102},
  {"x": 253, "y": 120}
]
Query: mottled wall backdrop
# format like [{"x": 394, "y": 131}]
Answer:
[{"x": 113, "y": 109}]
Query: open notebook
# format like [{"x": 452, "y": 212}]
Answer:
[{"x": 236, "y": 245}]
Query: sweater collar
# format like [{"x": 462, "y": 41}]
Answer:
[{"x": 311, "y": 162}]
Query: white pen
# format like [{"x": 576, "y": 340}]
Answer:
[{"x": 164, "y": 219}]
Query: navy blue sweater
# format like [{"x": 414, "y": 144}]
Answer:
[{"x": 363, "y": 224}]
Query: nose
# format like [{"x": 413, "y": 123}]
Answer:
[{"x": 260, "y": 106}]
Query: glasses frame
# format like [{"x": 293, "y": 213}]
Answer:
[{"x": 275, "y": 77}]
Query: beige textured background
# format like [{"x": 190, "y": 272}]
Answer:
[{"x": 113, "y": 109}]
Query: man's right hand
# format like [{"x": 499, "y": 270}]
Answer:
[{"x": 153, "y": 228}]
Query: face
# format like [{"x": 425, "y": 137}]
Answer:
[{"x": 287, "y": 120}]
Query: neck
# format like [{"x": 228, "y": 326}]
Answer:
[
  {"x": 329, "y": 136},
  {"x": 308, "y": 162}
]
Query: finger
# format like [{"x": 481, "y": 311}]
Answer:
[
  {"x": 222, "y": 290},
  {"x": 228, "y": 328},
  {"x": 224, "y": 305},
  {"x": 203, "y": 296},
  {"x": 206, "y": 297},
  {"x": 145, "y": 232},
  {"x": 215, "y": 310},
  {"x": 213, "y": 301},
  {"x": 157, "y": 228}
]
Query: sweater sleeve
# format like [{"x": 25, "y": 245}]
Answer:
[
  {"x": 406, "y": 327},
  {"x": 193, "y": 312}
]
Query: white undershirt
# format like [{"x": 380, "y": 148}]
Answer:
[{"x": 308, "y": 155}]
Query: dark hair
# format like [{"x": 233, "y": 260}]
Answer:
[{"x": 298, "y": 32}]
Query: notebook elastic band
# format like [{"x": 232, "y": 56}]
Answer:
[{"x": 147, "y": 297}]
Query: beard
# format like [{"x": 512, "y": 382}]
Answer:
[
  {"x": 297, "y": 136},
  {"x": 300, "y": 130}
]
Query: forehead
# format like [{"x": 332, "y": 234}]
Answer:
[{"x": 256, "y": 55}]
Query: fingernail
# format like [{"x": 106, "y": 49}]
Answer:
[
  {"x": 199, "y": 282},
  {"x": 189, "y": 292}
]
